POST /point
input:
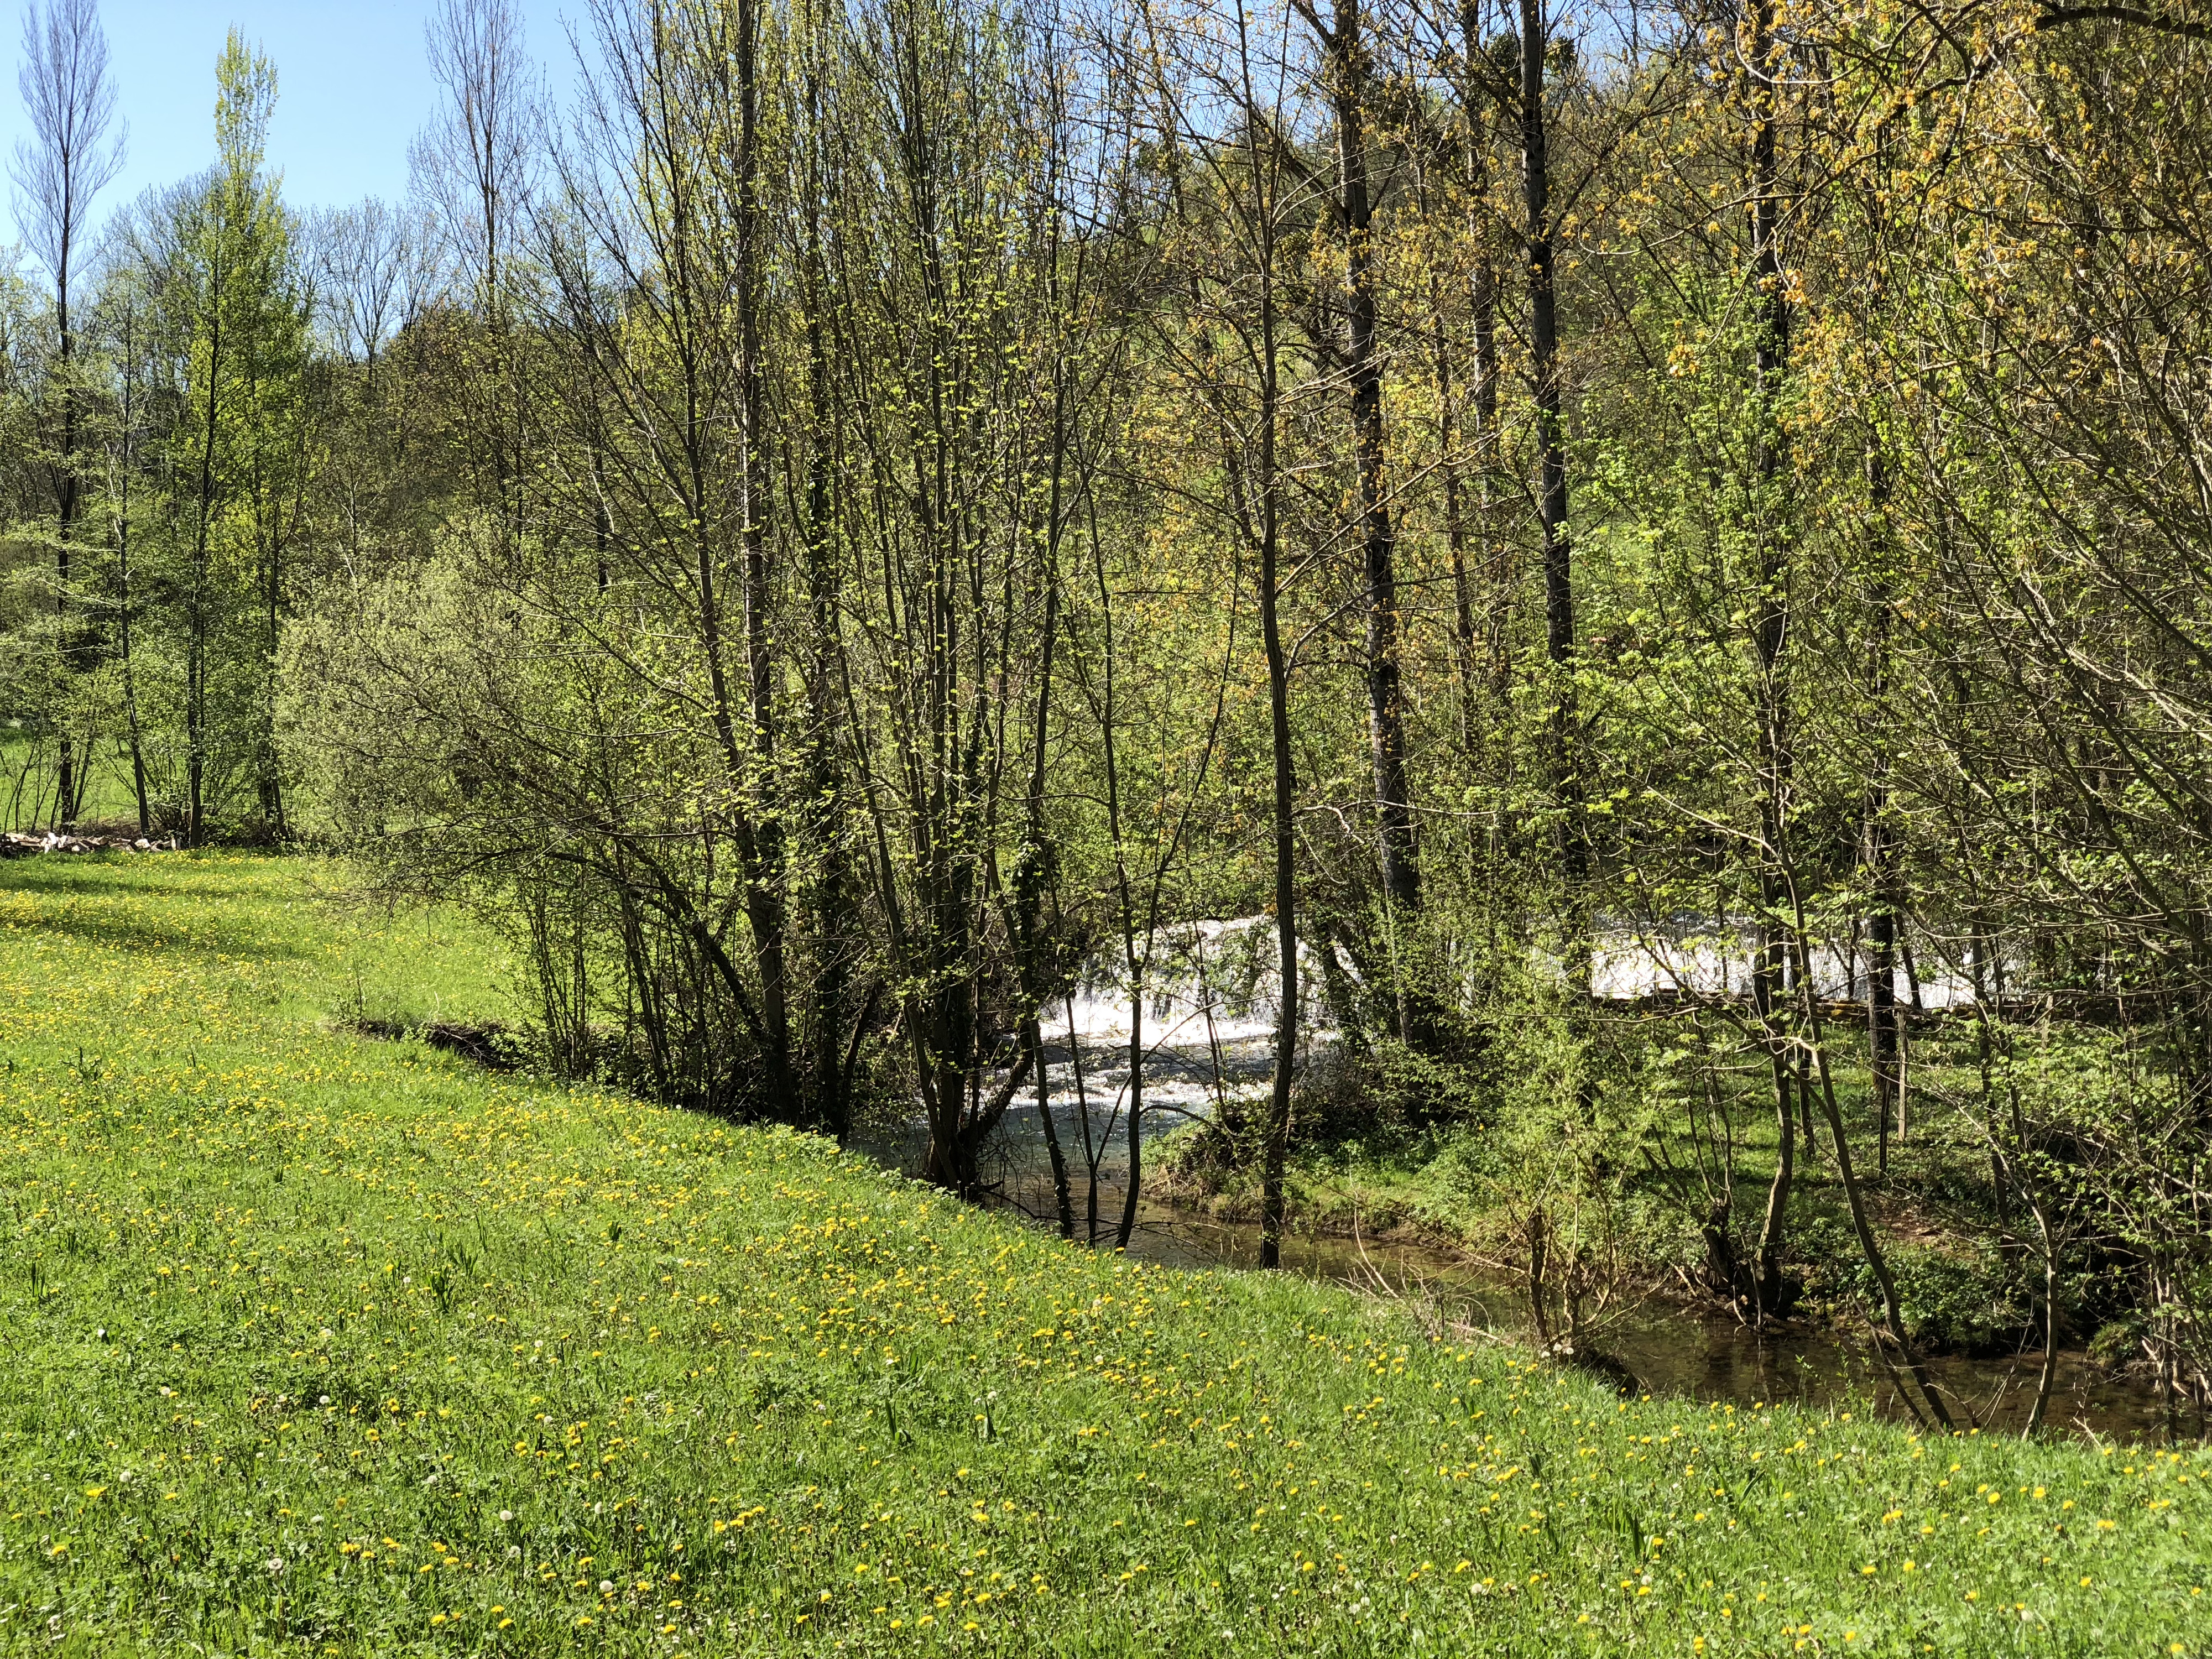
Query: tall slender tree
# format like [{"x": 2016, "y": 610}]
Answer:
[
  {"x": 73, "y": 152},
  {"x": 1539, "y": 236},
  {"x": 1345, "y": 49}
]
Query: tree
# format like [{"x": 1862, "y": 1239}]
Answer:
[
  {"x": 1540, "y": 238},
  {"x": 74, "y": 152},
  {"x": 238, "y": 324},
  {"x": 1238, "y": 192},
  {"x": 476, "y": 168},
  {"x": 1346, "y": 71}
]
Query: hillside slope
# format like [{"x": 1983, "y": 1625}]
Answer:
[{"x": 325, "y": 1346}]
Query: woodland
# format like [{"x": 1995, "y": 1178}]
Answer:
[{"x": 856, "y": 519}]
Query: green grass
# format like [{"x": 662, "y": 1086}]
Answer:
[
  {"x": 322, "y": 1345},
  {"x": 27, "y": 785}
]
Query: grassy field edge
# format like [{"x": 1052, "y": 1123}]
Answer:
[{"x": 323, "y": 1346}]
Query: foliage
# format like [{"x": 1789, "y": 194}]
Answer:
[{"x": 1661, "y": 551}]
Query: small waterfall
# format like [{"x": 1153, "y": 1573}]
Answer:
[
  {"x": 1210, "y": 1003},
  {"x": 1210, "y": 1006}
]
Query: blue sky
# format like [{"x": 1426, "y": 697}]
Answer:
[{"x": 353, "y": 88}]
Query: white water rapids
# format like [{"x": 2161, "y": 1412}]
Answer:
[{"x": 1210, "y": 1009}]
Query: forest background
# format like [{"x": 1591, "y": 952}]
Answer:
[{"x": 867, "y": 513}]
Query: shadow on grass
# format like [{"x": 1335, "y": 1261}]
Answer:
[{"x": 200, "y": 914}]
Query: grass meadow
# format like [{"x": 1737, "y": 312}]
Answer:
[{"x": 318, "y": 1345}]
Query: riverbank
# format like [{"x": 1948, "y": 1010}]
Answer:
[
  {"x": 327, "y": 1345},
  {"x": 1671, "y": 1347},
  {"x": 1432, "y": 1218},
  {"x": 1465, "y": 1193}
]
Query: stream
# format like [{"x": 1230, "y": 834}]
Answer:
[{"x": 1210, "y": 1032}]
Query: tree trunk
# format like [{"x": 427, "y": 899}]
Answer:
[
  {"x": 1401, "y": 881},
  {"x": 764, "y": 896},
  {"x": 123, "y": 618},
  {"x": 1892, "y": 1314},
  {"x": 1882, "y": 921},
  {"x": 1771, "y": 636},
  {"x": 196, "y": 665},
  {"x": 1133, "y": 1189},
  {"x": 1033, "y": 867},
  {"x": 1284, "y": 822},
  {"x": 70, "y": 786},
  {"x": 1481, "y": 426},
  {"x": 1567, "y": 783},
  {"x": 1767, "y": 1295},
  {"x": 834, "y": 916},
  {"x": 1091, "y": 1151},
  {"x": 1063, "y": 1197}
]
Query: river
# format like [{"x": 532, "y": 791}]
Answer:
[{"x": 1211, "y": 1031}]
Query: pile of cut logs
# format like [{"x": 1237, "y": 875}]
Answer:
[{"x": 17, "y": 846}]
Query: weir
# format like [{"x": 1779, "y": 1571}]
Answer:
[{"x": 1209, "y": 1015}]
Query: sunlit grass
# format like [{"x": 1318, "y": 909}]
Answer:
[
  {"x": 323, "y": 1346},
  {"x": 26, "y": 786}
]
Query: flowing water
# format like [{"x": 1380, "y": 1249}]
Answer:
[{"x": 1208, "y": 1035}]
